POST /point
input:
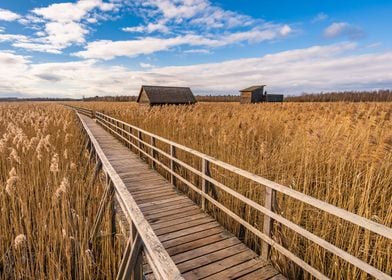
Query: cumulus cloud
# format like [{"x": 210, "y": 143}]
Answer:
[
  {"x": 66, "y": 12},
  {"x": 7, "y": 15},
  {"x": 343, "y": 29},
  {"x": 61, "y": 25},
  {"x": 317, "y": 68}
]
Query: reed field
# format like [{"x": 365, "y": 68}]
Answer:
[
  {"x": 48, "y": 199},
  {"x": 340, "y": 153}
]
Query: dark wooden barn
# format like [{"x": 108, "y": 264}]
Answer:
[
  {"x": 159, "y": 95},
  {"x": 256, "y": 94}
]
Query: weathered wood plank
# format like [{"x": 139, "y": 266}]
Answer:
[
  {"x": 185, "y": 225},
  {"x": 147, "y": 206},
  {"x": 211, "y": 257},
  {"x": 176, "y": 216},
  {"x": 171, "y": 212},
  {"x": 198, "y": 243},
  {"x": 242, "y": 270},
  {"x": 162, "y": 224},
  {"x": 265, "y": 272},
  {"x": 191, "y": 237},
  {"x": 185, "y": 232},
  {"x": 167, "y": 207},
  {"x": 192, "y": 254},
  {"x": 218, "y": 266}
]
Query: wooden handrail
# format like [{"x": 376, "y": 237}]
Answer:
[
  {"x": 322, "y": 205},
  {"x": 113, "y": 125},
  {"x": 161, "y": 263},
  {"x": 264, "y": 236}
]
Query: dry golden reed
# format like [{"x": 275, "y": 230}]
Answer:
[
  {"x": 47, "y": 202},
  {"x": 340, "y": 153}
]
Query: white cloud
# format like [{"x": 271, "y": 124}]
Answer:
[
  {"x": 202, "y": 51},
  {"x": 257, "y": 35},
  {"x": 149, "y": 28},
  {"x": 61, "y": 25},
  {"x": 146, "y": 65},
  {"x": 190, "y": 19},
  {"x": 66, "y": 12},
  {"x": 48, "y": 48},
  {"x": 285, "y": 30},
  {"x": 13, "y": 37},
  {"x": 318, "y": 68},
  {"x": 107, "y": 49},
  {"x": 320, "y": 17},
  {"x": 7, "y": 15},
  {"x": 338, "y": 29},
  {"x": 196, "y": 12}
]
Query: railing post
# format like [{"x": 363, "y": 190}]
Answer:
[
  {"x": 130, "y": 138},
  {"x": 139, "y": 137},
  {"x": 270, "y": 196},
  {"x": 172, "y": 167},
  {"x": 153, "y": 151},
  {"x": 205, "y": 169}
]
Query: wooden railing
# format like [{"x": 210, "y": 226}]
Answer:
[
  {"x": 142, "y": 238},
  {"x": 84, "y": 111},
  {"x": 133, "y": 136}
]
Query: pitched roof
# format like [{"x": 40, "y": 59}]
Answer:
[
  {"x": 253, "y": 88},
  {"x": 167, "y": 95}
]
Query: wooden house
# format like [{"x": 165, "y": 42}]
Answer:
[
  {"x": 256, "y": 94},
  {"x": 160, "y": 95},
  {"x": 252, "y": 94}
]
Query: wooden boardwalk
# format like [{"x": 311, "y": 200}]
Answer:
[{"x": 197, "y": 244}]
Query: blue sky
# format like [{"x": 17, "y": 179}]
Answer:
[{"x": 111, "y": 47}]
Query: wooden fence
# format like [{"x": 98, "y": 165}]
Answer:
[
  {"x": 142, "y": 238},
  {"x": 133, "y": 136}
]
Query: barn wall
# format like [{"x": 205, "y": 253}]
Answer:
[
  {"x": 274, "y": 98},
  {"x": 258, "y": 96},
  {"x": 246, "y": 97}
]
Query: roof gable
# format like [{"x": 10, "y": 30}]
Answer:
[{"x": 253, "y": 88}]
